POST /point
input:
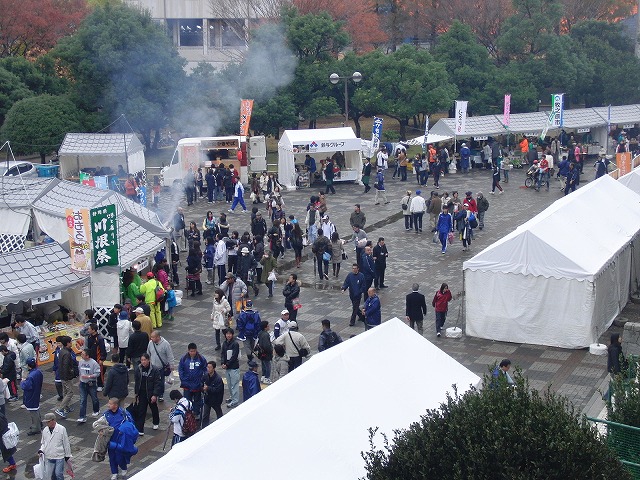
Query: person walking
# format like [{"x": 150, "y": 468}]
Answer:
[
  {"x": 573, "y": 179},
  {"x": 138, "y": 342},
  {"x": 327, "y": 338},
  {"x": 295, "y": 345},
  {"x": 238, "y": 197},
  {"x": 117, "y": 382},
  {"x": 291, "y": 294},
  {"x": 405, "y": 203},
  {"x": 368, "y": 267},
  {"x": 124, "y": 329},
  {"x": 32, "y": 388},
  {"x": 416, "y": 308},
  {"x": 147, "y": 389},
  {"x": 321, "y": 248},
  {"x": 89, "y": 373},
  {"x": 213, "y": 389},
  {"x": 177, "y": 416},
  {"x": 444, "y": 226},
  {"x": 366, "y": 175},
  {"x": 328, "y": 176},
  {"x": 269, "y": 264},
  {"x": 68, "y": 369},
  {"x": 231, "y": 366},
  {"x": 7, "y": 453},
  {"x": 355, "y": 283},
  {"x": 496, "y": 180},
  {"x": 380, "y": 189},
  {"x": 433, "y": 209},
  {"x": 440, "y": 303},
  {"x": 161, "y": 355},
  {"x": 464, "y": 226},
  {"x": 250, "y": 382},
  {"x": 372, "y": 310},
  {"x": 219, "y": 314},
  {"x": 97, "y": 348},
  {"x": 9, "y": 372},
  {"x": 417, "y": 208},
  {"x": 483, "y": 206},
  {"x": 54, "y": 448},
  {"x": 264, "y": 351},
  {"x": 122, "y": 442},
  {"x": 380, "y": 255},
  {"x": 191, "y": 368}
]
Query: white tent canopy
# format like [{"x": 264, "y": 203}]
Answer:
[
  {"x": 431, "y": 138},
  {"x": 319, "y": 414},
  {"x": 92, "y": 150},
  {"x": 631, "y": 180},
  {"x": 561, "y": 278},
  {"x": 295, "y": 144}
]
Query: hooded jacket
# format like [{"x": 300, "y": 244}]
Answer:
[{"x": 117, "y": 382}]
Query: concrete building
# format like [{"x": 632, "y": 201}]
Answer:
[{"x": 212, "y": 31}]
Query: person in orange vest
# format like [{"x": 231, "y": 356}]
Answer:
[
  {"x": 130, "y": 187},
  {"x": 524, "y": 148}
]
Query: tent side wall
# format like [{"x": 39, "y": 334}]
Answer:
[
  {"x": 353, "y": 161},
  {"x": 548, "y": 311},
  {"x": 286, "y": 168},
  {"x": 74, "y": 300}
]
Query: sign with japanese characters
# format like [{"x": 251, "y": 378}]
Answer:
[
  {"x": 376, "y": 132},
  {"x": 48, "y": 297},
  {"x": 246, "y": 107},
  {"x": 104, "y": 232},
  {"x": 461, "y": 117},
  {"x": 623, "y": 161},
  {"x": 506, "y": 115},
  {"x": 221, "y": 144},
  {"x": 79, "y": 240},
  {"x": 557, "y": 110}
]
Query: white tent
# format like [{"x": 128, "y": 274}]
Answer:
[
  {"x": 316, "y": 418},
  {"x": 431, "y": 138},
  {"x": 561, "y": 278},
  {"x": 295, "y": 144},
  {"x": 91, "y": 150},
  {"x": 631, "y": 180}
]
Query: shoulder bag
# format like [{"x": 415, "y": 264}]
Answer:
[
  {"x": 166, "y": 369},
  {"x": 303, "y": 352}
]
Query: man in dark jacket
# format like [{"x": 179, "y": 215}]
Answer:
[
  {"x": 259, "y": 226},
  {"x": 191, "y": 369},
  {"x": 264, "y": 351},
  {"x": 291, "y": 291},
  {"x": 380, "y": 254},
  {"x": 138, "y": 342},
  {"x": 231, "y": 365},
  {"x": 112, "y": 325},
  {"x": 250, "y": 382},
  {"x": 32, "y": 388},
  {"x": 368, "y": 267},
  {"x": 210, "y": 178},
  {"x": 97, "y": 350},
  {"x": 319, "y": 247},
  {"x": 116, "y": 384},
  {"x": 148, "y": 386},
  {"x": 372, "y": 310},
  {"x": 356, "y": 286},
  {"x": 67, "y": 364},
  {"x": 416, "y": 308},
  {"x": 179, "y": 227},
  {"x": 328, "y": 176},
  {"x": 213, "y": 393},
  {"x": 9, "y": 372}
]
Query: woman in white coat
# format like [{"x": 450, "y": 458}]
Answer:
[{"x": 219, "y": 313}]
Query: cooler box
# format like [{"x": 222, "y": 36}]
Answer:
[{"x": 47, "y": 170}]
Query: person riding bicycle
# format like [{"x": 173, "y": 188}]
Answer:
[
  {"x": 533, "y": 171},
  {"x": 543, "y": 173}
]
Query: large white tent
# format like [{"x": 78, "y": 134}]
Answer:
[
  {"x": 295, "y": 144},
  {"x": 561, "y": 278},
  {"x": 316, "y": 418},
  {"x": 431, "y": 138},
  {"x": 631, "y": 180}
]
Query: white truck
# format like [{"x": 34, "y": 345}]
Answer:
[{"x": 246, "y": 156}]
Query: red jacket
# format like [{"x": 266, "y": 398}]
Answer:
[
  {"x": 473, "y": 206},
  {"x": 441, "y": 301}
]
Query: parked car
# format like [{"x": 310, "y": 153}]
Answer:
[{"x": 13, "y": 168}]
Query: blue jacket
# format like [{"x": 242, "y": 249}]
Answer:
[
  {"x": 355, "y": 284},
  {"x": 56, "y": 363},
  {"x": 563, "y": 168},
  {"x": 209, "y": 253},
  {"x": 445, "y": 223},
  {"x": 465, "y": 153},
  {"x": 249, "y": 324},
  {"x": 250, "y": 385},
  {"x": 32, "y": 387},
  {"x": 372, "y": 311},
  {"x": 380, "y": 180},
  {"x": 171, "y": 299},
  {"x": 124, "y": 434},
  {"x": 191, "y": 372},
  {"x": 368, "y": 266}
]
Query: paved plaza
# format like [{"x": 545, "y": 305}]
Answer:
[{"x": 412, "y": 258}]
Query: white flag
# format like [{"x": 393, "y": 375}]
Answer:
[{"x": 461, "y": 116}]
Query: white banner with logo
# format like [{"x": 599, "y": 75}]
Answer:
[{"x": 461, "y": 116}]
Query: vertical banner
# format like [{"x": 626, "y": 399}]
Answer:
[
  {"x": 104, "y": 231},
  {"x": 623, "y": 161},
  {"x": 79, "y": 240},
  {"x": 246, "y": 107},
  {"x": 506, "y": 116},
  {"x": 461, "y": 116},
  {"x": 426, "y": 134},
  {"x": 557, "y": 109},
  {"x": 376, "y": 133}
]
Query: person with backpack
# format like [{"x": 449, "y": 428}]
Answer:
[
  {"x": 264, "y": 351},
  {"x": 249, "y": 327},
  {"x": 327, "y": 338},
  {"x": 68, "y": 369},
  {"x": 153, "y": 292},
  {"x": 181, "y": 417},
  {"x": 122, "y": 443},
  {"x": 191, "y": 368}
]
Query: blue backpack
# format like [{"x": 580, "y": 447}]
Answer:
[{"x": 473, "y": 221}]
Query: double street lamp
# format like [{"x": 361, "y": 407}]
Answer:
[{"x": 334, "y": 78}]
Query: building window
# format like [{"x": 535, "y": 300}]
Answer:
[
  {"x": 212, "y": 33},
  {"x": 191, "y": 33},
  {"x": 233, "y": 34}
]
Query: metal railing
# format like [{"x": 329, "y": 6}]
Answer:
[{"x": 624, "y": 440}]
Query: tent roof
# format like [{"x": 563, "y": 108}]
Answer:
[
  {"x": 431, "y": 138},
  {"x": 296, "y": 137},
  {"x": 36, "y": 271},
  {"x": 561, "y": 242},
  {"x": 100, "y": 144},
  {"x": 631, "y": 180},
  {"x": 534, "y": 122},
  {"x": 330, "y": 402},
  {"x": 22, "y": 192}
]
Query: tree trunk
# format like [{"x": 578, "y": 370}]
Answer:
[
  {"x": 356, "y": 122},
  {"x": 156, "y": 139},
  {"x": 403, "y": 128}
]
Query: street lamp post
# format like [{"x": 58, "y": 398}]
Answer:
[{"x": 334, "y": 78}]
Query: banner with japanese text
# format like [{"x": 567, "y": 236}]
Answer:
[
  {"x": 623, "y": 161},
  {"x": 426, "y": 134},
  {"x": 557, "y": 109},
  {"x": 104, "y": 232},
  {"x": 79, "y": 239},
  {"x": 246, "y": 107},
  {"x": 461, "y": 116},
  {"x": 376, "y": 132},
  {"x": 506, "y": 115}
]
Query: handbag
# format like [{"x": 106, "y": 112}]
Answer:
[
  {"x": 296, "y": 304},
  {"x": 303, "y": 352},
  {"x": 272, "y": 276},
  {"x": 326, "y": 256},
  {"x": 344, "y": 255}
]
